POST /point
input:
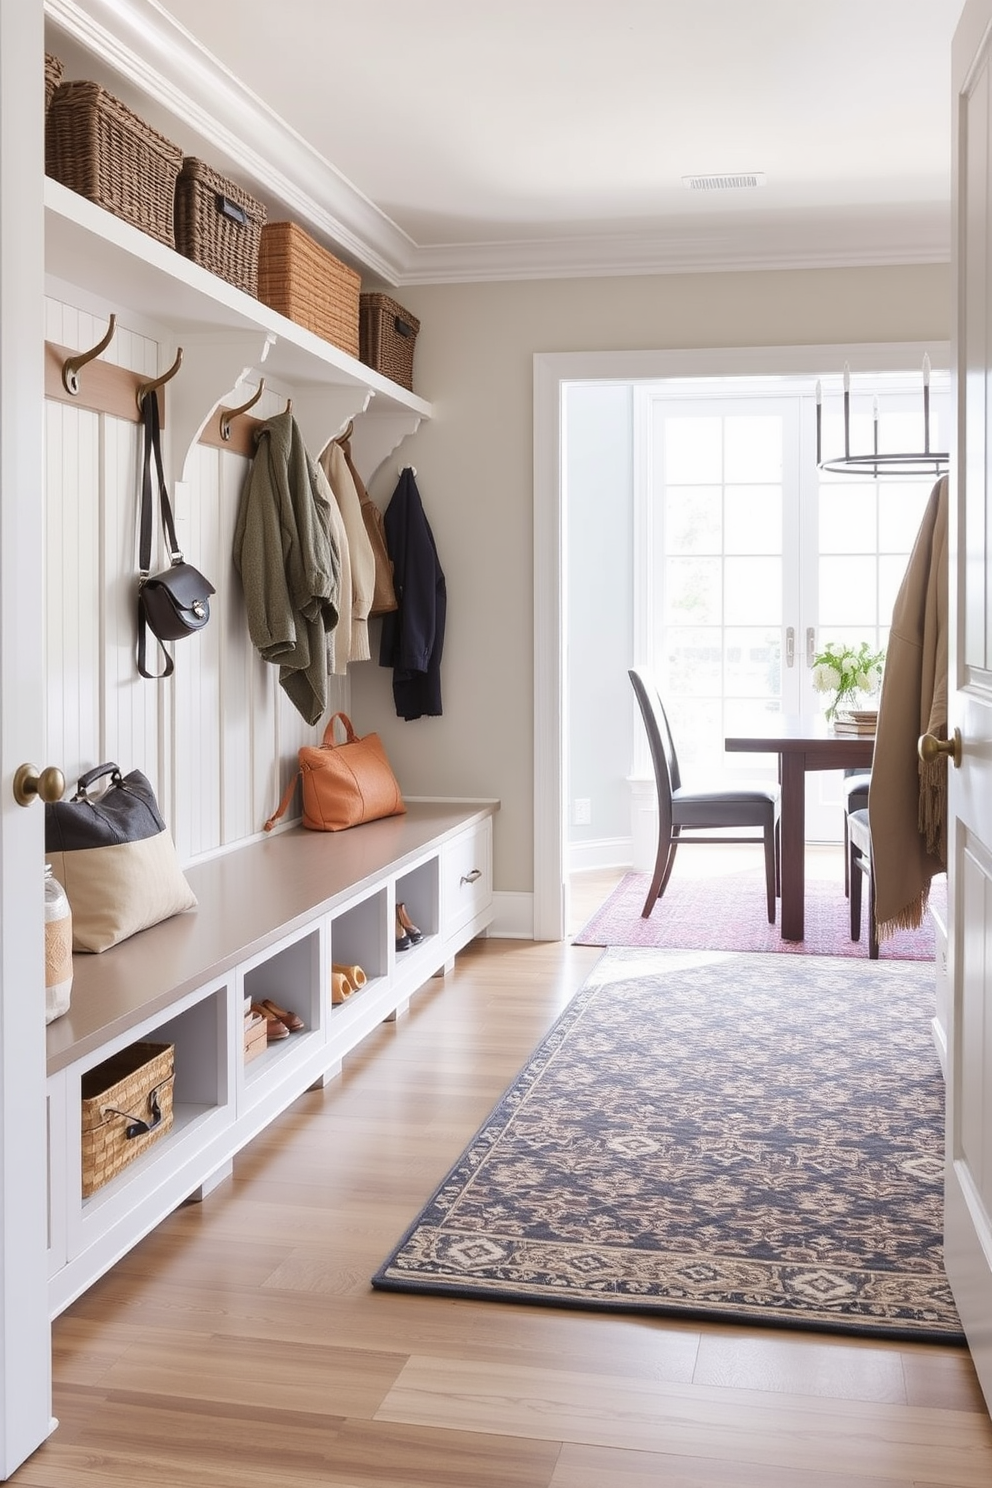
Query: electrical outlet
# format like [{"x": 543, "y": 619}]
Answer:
[{"x": 582, "y": 811}]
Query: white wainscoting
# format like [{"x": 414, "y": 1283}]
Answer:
[{"x": 218, "y": 740}]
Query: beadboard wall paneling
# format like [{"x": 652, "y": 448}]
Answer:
[
  {"x": 73, "y": 645},
  {"x": 198, "y": 696},
  {"x": 218, "y": 740}
]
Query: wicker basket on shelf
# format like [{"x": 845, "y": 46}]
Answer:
[
  {"x": 97, "y": 146},
  {"x": 388, "y": 336},
  {"x": 122, "y": 1097},
  {"x": 300, "y": 279},
  {"x": 218, "y": 224},
  {"x": 53, "y": 76}
]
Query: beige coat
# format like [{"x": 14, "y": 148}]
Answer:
[
  {"x": 907, "y": 800},
  {"x": 360, "y": 554}
]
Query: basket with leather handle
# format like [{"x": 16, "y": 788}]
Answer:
[{"x": 343, "y": 784}]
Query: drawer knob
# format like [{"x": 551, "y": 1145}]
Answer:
[{"x": 471, "y": 877}]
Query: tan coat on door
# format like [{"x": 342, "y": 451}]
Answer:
[{"x": 907, "y": 800}]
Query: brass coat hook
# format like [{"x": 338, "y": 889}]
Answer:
[
  {"x": 345, "y": 434},
  {"x": 72, "y": 365},
  {"x": 150, "y": 387},
  {"x": 233, "y": 413}
]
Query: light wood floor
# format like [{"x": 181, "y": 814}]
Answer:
[{"x": 240, "y": 1344}]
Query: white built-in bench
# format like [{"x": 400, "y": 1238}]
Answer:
[{"x": 271, "y": 918}]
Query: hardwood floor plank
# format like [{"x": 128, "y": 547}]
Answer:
[
  {"x": 187, "y": 1442},
  {"x": 259, "y": 1371},
  {"x": 595, "y": 1467},
  {"x": 797, "y": 1365},
  {"x": 766, "y": 1428}
]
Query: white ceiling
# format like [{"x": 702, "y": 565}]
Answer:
[{"x": 505, "y": 138}]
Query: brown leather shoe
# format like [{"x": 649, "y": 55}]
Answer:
[
  {"x": 275, "y": 1028},
  {"x": 292, "y": 1022}
]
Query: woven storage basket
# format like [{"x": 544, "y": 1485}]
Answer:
[
  {"x": 122, "y": 1092},
  {"x": 53, "y": 76},
  {"x": 218, "y": 225},
  {"x": 388, "y": 336},
  {"x": 300, "y": 279},
  {"x": 96, "y": 145}
]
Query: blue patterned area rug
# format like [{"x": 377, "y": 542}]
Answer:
[{"x": 739, "y": 1138}]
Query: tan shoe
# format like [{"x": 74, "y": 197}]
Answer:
[
  {"x": 275, "y": 1028},
  {"x": 291, "y": 1020}
]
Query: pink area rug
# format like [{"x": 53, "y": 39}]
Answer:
[{"x": 728, "y": 913}]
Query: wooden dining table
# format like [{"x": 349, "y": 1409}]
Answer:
[{"x": 801, "y": 744}]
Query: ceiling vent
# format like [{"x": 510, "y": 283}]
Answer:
[{"x": 744, "y": 180}]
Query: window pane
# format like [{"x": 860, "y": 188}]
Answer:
[
  {"x": 753, "y": 519},
  {"x": 694, "y": 661},
  {"x": 692, "y": 519},
  {"x": 693, "y": 451},
  {"x": 753, "y": 449},
  {"x": 900, "y": 512},
  {"x": 692, "y": 591},
  {"x": 697, "y": 731},
  {"x": 753, "y": 663},
  {"x": 847, "y": 517},
  {"x": 753, "y": 591},
  {"x": 848, "y": 594}
]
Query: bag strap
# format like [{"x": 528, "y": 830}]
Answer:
[
  {"x": 329, "y": 741},
  {"x": 97, "y": 773},
  {"x": 283, "y": 804},
  {"x": 153, "y": 450}
]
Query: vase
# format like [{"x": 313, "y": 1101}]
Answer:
[{"x": 848, "y": 702}]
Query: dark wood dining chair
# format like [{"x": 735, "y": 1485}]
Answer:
[
  {"x": 681, "y": 809},
  {"x": 860, "y": 866},
  {"x": 855, "y": 791}
]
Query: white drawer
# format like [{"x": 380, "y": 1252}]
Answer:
[{"x": 466, "y": 876}]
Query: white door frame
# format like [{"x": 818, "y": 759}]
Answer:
[
  {"x": 25, "y": 1358},
  {"x": 551, "y": 371}
]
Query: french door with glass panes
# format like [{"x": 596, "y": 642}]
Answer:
[{"x": 748, "y": 559}]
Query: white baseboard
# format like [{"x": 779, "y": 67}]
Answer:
[
  {"x": 514, "y": 917},
  {"x": 606, "y": 852}
]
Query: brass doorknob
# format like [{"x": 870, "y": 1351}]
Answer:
[
  {"x": 29, "y": 784},
  {"x": 930, "y": 748}
]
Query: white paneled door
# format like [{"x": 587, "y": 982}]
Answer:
[
  {"x": 25, "y": 1361},
  {"x": 968, "y": 1204}
]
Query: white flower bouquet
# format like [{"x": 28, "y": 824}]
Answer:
[{"x": 847, "y": 672}]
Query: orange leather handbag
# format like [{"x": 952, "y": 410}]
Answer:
[{"x": 343, "y": 784}]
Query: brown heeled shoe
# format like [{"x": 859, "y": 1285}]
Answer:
[{"x": 291, "y": 1020}]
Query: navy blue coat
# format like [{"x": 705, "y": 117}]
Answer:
[{"x": 413, "y": 634}]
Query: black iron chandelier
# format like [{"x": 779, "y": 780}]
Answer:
[{"x": 878, "y": 464}]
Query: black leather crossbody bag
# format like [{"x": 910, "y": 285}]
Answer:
[{"x": 175, "y": 602}]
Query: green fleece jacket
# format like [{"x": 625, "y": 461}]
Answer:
[{"x": 289, "y": 565}]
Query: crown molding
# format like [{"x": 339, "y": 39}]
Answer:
[
  {"x": 160, "y": 61},
  {"x": 162, "y": 71},
  {"x": 918, "y": 237}
]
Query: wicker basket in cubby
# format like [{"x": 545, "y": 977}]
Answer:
[
  {"x": 218, "y": 224},
  {"x": 388, "y": 334},
  {"x": 53, "y": 76},
  {"x": 126, "y": 1106},
  {"x": 300, "y": 279},
  {"x": 97, "y": 146}
]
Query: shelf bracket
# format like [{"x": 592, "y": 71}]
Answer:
[
  {"x": 213, "y": 366},
  {"x": 377, "y": 436},
  {"x": 322, "y": 412}
]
